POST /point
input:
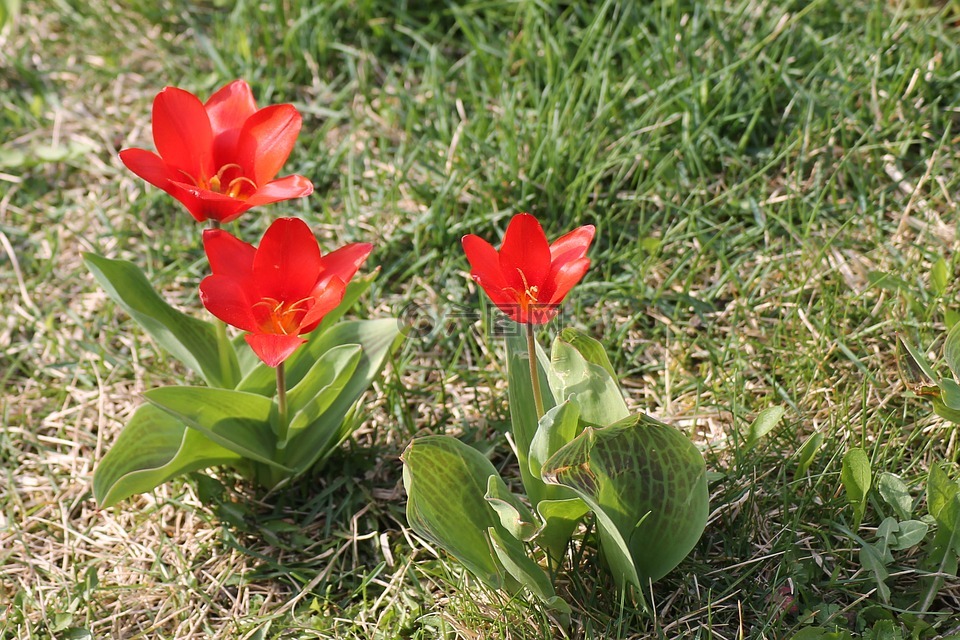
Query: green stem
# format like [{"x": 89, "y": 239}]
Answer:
[
  {"x": 534, "y": 373},
  {"x": 282, "y": 404},
  {"x": 214, "y": 224}
]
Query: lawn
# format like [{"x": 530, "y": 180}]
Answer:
[{"x": 774, "y": 188}]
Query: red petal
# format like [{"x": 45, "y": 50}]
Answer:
[
  {"x": 150, "y": 167},
  {"x": 563, "y": 279},
  {"x": 226, "y": 298},
  {"x": 525, "y": 249},
  {"x": 205, "y": 204},
  {"x": 505, "y": 299},
  {"x": 288, "y": 263},
  {"x": 572, "y": 246},
  {"x": 325, "y": 301},
  {"x": 228, "y": 255},
  {"x": 181, "y": 131},
  {"x": 344, "y": 262},
  {"x": 484, "y": 261},
  {"x": 283, "y": 189},
  {"x": 228, "y": 109},
  {"x": 266, "y": 140},
  {"x": 273, "y": 348}
]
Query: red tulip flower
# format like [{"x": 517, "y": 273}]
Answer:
[
  {"x": 220, "y": 158},
  {"x": 279, "y": 291},
  {"x": 529, "y": 277}
]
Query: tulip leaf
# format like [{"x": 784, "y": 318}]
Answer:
[
  {"x": 239, "y": 421},
  {"x": 322, "y": 433},
  {"x": 323, "y": 383},
  {"x": 647, "y": 486},
  {"x": 191, "y": 341},
  {"x": 446, "y": 482},
  {"x": 560, "y": 519},
  {"x": 951, "y": 349},
  {"x": 598, "y": 394},
  {"x": 523, "y": 412},
  {"x": 515, "y": 516},
  {"x": 152, "y": 448},
  {"x": 591, "y": 349},
  {"x": 556, "y": 428},
  {"x": 525, "y": 570}
]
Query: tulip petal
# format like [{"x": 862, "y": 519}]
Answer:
[
  {"x": 228, "y": 255},
  {"x": 525, "y": 253},
  {"x": 150, "y": 167},
  {"x": 228, "y": 109},
  {"x": 325, "y": 301},
  {"x": 205, "y": 204},
  {"x": 288, "y": 263},
  {"x": 226, "y": 298},
  {"x": 484, "y": 261},
  {"x": 282, "y": 189},
  {"x": 266, "y": 140},
  {"x": 344, "y": 262},
  {"x": 273, "y": 348},
  {"x": 564, "y": 278},
  {"x": 572, "y": 246},
  {"x": 182, "y": 133}
]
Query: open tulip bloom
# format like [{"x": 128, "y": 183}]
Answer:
[
  {"x": 529, "y": 277},
  {"x": 279, "y": 291},
  {"x": 220, "y": 158}
]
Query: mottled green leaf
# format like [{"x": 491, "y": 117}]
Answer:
[
  {"x": 592, "y": 350},
  {"x": 516, "y": 517},
  {"x": 446, "y": 482},
  {"x": 598, "y": 395},
  {"x": 152, "y": 448},
  {"x": 319, "y": 389},
  {"x": 514, "y": 559},
  {"x": 646, "y": 484}
]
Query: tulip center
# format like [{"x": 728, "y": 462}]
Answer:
[
  {"x": 280, "y": 317},
  {"x": 530, "y": 292},
  {"x": 228, "y": 180}
]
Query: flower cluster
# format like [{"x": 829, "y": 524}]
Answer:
[{"x": 219, "y": 159}]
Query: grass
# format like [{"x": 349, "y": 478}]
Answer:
[{"x": 753, "y": 169}]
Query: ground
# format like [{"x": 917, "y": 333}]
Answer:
[{"x": 773, "y": 185}]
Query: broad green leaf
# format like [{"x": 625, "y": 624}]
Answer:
[
  {"x": 808, "y": 452},
  {"x": 764, "y": 423},
  {"x": 895, "y": 493},
  {"x": 943, "y": 504},
  {"x": 942, "y": 496},
  {"x": 945, "y": 412},
  {"x": 646, "y": 484},
  {"x": 322, "y": 385},
  {"x": 513, "y": 556},
  {"x": 446, "y": 482},
  {"x": 516, "y": 517},
  {"x": 152, "y": 448},
  {"x": 938, "y": 276},
  {"x": 557, "y": 427},
  {"x": 592, "y": 350},
  {"x": 560, "y": 519},
  {"x": 951, "y": 350},
  {"x": 950, "y": 393},
  {"x": 315, "y": 441},
  {"x": 911, "y": 533},
  {"x": 598, "y": 395},
  {"x": 241, "y": 422},
  {"x": 523, "y": 412},
  {"x": 872, "y": 559},
  {"x": 191, "y": 341},
  {"x": 263, "y": 379},
  {"x": 855, "y": 476}
]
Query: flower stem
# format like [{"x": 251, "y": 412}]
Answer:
[
  {"x": 534, "y": 373},
  {"x": 282, "y": 404},
  {"x": 214, "y": 224}
]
